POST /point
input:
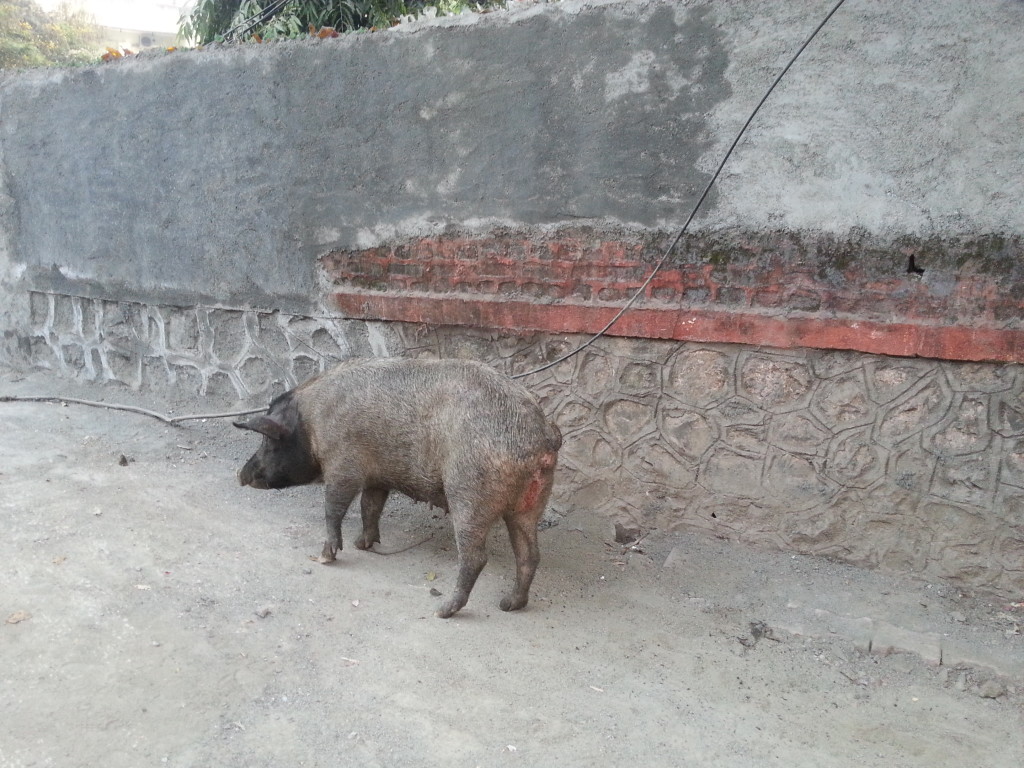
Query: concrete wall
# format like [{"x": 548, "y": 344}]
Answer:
[
  {"x": 246, "y": 163},
  {"x": 208, "y": 219}
]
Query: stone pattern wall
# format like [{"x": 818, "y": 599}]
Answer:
[
  {"x": 905, "y": 464},
  {"x": 222, "y": 354}
]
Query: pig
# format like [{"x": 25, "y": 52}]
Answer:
[{"x": 454, "y": 433}]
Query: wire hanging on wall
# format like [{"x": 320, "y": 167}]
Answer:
[{"x": 707, "y": 189}]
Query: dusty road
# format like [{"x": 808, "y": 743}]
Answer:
[{"x": 153, "y": 612}]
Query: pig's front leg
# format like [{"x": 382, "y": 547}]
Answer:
[{"x": 337, "y": 498}]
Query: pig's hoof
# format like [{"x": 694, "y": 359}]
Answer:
[
  {"x": 329, "y": 555},
  {"x": 448, "y": 610},
  {"x": 365, "y": 542},
  {"x": 511, "y": 604}
]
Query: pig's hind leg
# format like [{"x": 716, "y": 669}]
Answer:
[
  {"x": 471, "y": 522},
  {"x": 371, "y": 504},
  {"x": 337, "y": 499},
  {"x": 523, "y": 535},
  {"x": 521, "y": 522}
]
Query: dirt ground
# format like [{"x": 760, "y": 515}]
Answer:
[{"x": 153, "y": 612}]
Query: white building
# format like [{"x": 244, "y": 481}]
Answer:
[{"x": 132, "y": 24}]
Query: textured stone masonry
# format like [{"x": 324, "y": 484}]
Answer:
[
  {"x": 906, "y": 464},
  {"x": 219, "y": 353}
]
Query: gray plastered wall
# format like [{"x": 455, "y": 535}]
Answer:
[{"x": 222, "y": 174}]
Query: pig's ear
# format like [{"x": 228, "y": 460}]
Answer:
[{"x": 265, "y": 425}]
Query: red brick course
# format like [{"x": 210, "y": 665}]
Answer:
[{"x": 773, "y": 291}]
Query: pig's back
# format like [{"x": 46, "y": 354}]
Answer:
[{"x": 403, "y": 421}]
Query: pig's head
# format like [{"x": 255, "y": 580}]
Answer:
[{"x": 285, "y": 458}]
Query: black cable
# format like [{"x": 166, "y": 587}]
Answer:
[
  {"x": 700, "y": 200},
  {"x": 256, "y": 18}
]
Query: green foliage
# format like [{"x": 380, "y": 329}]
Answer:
[
  {"x": 219, "y": 20},
  {"x": 208, "y": 20},
  {"x": 31, "y": 37}
]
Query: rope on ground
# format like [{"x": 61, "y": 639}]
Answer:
[{"x": 172, "y": 420}]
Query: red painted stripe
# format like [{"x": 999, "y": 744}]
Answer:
[{"x": 899, "y": 339}]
